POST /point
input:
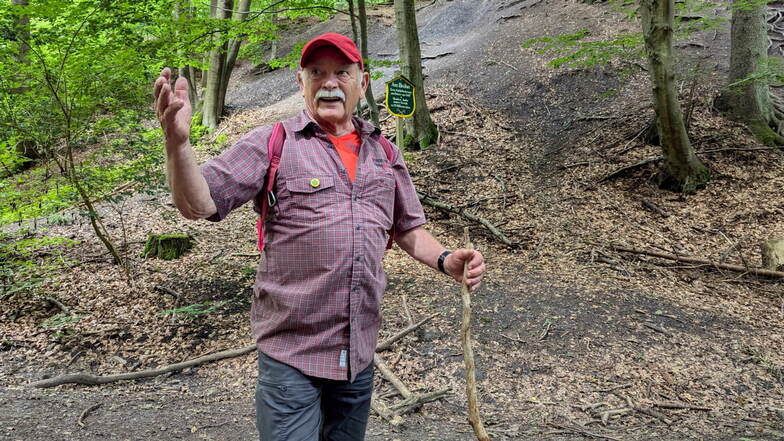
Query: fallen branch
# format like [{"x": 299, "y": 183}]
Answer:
[
  {"x": 614, "y": 388},
  {"x": 739, "y": 268},
  {"x": 584, "y": 432},
  {"x": 57, "y": 303},
  {"x": 675, "y": 405},
  {"x": 410, "y": 400},
  {"x": 386, "y": 344},
  {"x": 177, "y": 296},
  {"x": 417, "y": 400},
  {"x": 92, "y": 380},
  {"x": 381, "y": 410},
  {"x": 639, "y": 164},
  {"x": 629, "y": 168},
  {"x": 661, "y": 329},
  {"x": 468, "y": 353},
  {"x": 484, "y": 222},
  {"x": 605, "y": 416},
  {"x": 433, "y": 57},
  {"x": 654, "y": 208},
  {"x": 390, "y": 376}
]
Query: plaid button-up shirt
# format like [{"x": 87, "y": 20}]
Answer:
[{"x": 319, "y": 285}]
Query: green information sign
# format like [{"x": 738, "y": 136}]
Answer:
[{"x": 400, "y": 97}]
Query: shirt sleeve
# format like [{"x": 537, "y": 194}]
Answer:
[
  {"x": 408, "y": 212},
  {"x": 237, "y": 175}
]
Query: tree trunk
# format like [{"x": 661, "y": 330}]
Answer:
[
  {"x": 239, "y": 16},
  {"x": 274, "y": 44},
  {"x": 211, "y": 106},
  {"x": 363, "y": 35},
  {"x": 23, "y": 28},
  {"x": 747, "y": 98},
  {"x": 24, "y": 148},
  {"x": 682, "y": 171},
  {"x": 353, "y": 19},
  {"x": 417, "y": 132}
]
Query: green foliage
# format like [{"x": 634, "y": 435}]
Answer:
[
  {"x": 60, "y": 321},
  {"x": 249, "y": 271},
  {"x": 196, "y": 310},
  {"x": 10, "y": 159},
  {"x": 573, "y": 51},
  {"x": 579, "y": 50},
  {"x": 20, "y": 270},
  {"x": 59, "y": 219},
  {"x": 220, "y": 140},
  {"x": 290, "y": 61},
  {"x": 770, "y": 71},
  {"x": 374, "y": 65},
  {"x": 132, "y": 157}
]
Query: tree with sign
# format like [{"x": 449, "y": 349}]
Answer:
[{"x": 418, "y": 131}]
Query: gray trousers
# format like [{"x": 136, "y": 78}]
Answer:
[{"x": 291, "y": 406}]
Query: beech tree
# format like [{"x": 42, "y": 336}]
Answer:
[
  {"x": 418, "y": 131},
  {"x": 747, "y": 98},
  {"x": 222, "y": 58},
  {"x": 682, "y": 170}
]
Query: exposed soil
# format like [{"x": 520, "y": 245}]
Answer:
[{"x": 562, "y": 322}]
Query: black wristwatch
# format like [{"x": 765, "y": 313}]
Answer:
[{"x": 441, "y": 260}]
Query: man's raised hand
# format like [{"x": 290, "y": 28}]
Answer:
[{"x": 173, "y": 109}]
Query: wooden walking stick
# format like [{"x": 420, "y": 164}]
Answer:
[{"x": 468, "y": 353}]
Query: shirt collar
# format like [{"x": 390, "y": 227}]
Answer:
[{"x": 302, "y": 122}]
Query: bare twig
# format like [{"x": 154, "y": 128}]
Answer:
[
  {"x": 86, "y": 412},
  {"x": 386, "y": 344}
]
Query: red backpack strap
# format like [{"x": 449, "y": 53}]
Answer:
[
  {"x": 390, "y": 152},
  {"x": 274, "y": 151}
]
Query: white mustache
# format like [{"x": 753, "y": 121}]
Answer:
[{"x": 334, "y": 93}]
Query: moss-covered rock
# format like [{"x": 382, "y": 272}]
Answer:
[{"x": 167, "y": 246}]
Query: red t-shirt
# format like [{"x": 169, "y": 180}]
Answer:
[{"x": 348, "y": 150}]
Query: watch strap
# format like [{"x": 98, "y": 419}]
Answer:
[{"x": 441, "y": 260}]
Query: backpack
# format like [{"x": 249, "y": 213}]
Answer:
[{"x": 266, "y": 198}]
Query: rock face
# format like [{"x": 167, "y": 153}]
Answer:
[
  {"x": 773, "y": 254},
  {"x": 167, "y": 246}
]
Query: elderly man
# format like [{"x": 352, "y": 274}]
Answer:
[{"x": 317, "y": 298}]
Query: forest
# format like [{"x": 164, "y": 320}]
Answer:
[{"x": 617, "y": 162}]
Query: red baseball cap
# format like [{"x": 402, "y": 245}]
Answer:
[{"x": 340, "y": 42}]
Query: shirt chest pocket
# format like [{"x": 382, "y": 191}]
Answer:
[
  {"x": 380, "y": 193},
  {"x": 309, "y": 198}
]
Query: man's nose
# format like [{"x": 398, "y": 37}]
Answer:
[{"x": 331, "y": 81}]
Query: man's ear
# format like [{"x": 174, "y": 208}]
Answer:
[
  {"x": 365, "y": 81},
  {"x": 300, "y": 81}
]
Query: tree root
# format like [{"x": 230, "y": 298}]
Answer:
[{"x": 738, "y": 268}]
